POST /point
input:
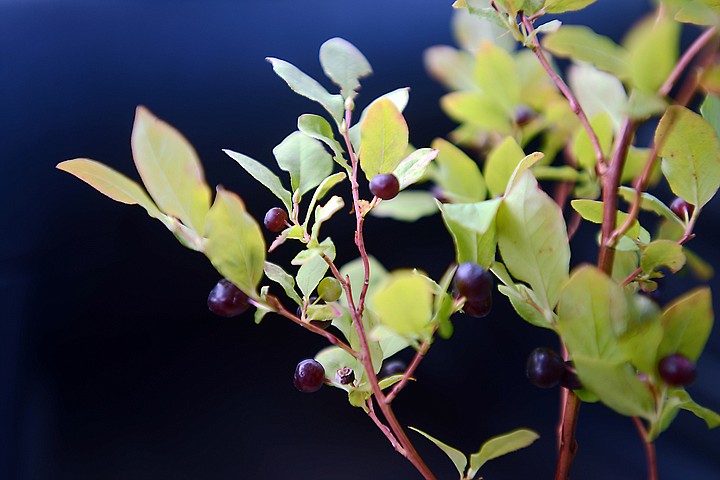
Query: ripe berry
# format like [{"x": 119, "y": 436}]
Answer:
[
  {"x": 385, "y": 186},
  {"x": 329, "y": 289},
  {"x": 478, "y": 308},
  {"x": 569, "y": 377},
  {"x": 475, "y": 284},
  {"x": 276, "y": 219},
  {"x": 345, "y": 376},
  {"x": 309, "y": 376},
  {"x": 392, "y": 367},
  {"x": 545, "y": 368},
  {"x": 681, "y": 208},
  {"x": 523, "y": 115},
  {"x": 678, "y": 370},
  {"x": 227, "y": 300}
]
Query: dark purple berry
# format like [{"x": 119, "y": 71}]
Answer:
[
  {"x": 474, "y": 283},
  {"x": 227, "y": 300},
  {"x": 569, "y": 377},
  {"x": 678, "y": 370},
  {"x": 545, "y": 368},
  {"x": 524, "y": 115},
  {"x": 385, "y": 186},
  {"x": 478, "y": 308},
  {"x": 345, "y": 376},
  {"x": 392, "y": 367},
  {"x": 276, "y": 219},
  {"x": 309, "y": 376},
  {"x": 681, "y": 208}
]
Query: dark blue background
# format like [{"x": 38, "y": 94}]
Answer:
[{"x": 111, "y": 366}]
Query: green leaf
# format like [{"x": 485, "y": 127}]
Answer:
[
  {"x": 388, "y": 382},
  {"x": 582, "y": 146},
  {"x": 112, "y": 183},
  {"x": 532, "y": 238},
  {"x": 284, "y": 279},
  {"x": 456, "y": 456},
  {"x": 355, "y": 270},
  {"x": 617, "y": 385},
  {"x": 527, "y": 305},
  {"x": 642, "y": 104},
  {"x": 598, "y": 92},
  {"x": 451, "y": 67},
  {"x": 324, "y": 213},
  {"x": 469, "y": 30},
  {"x": 499, "y": 446},
  {"x": 457, "y": 174},
  {"x": 500, "y": 165},
  {"x": 322, "y": 190},
  {"x": 305, "y": 159},
  {"x": 235, "y": 244},
  {"x": 662, "y": 253},
  {"x": 593, "y": 309},
  {"x": 344, "y": 64},
  {"x": 678, "y": 398},
  {"x": 414, "y": 166},
  {"x": 398, "y": 97},
  {"x": 408, "y": 206},
  {"x": 687, "y": 323},
  {"x": 170, "y": 170},
  {"x": 496, "y": 76},
  {"x": 404, "y": 304},
  {"x": 304, "y": 85},
  {"x": 710, "y": 110},
  {"x": 650, "y": 203},
  {"x": 592, "y": 211},
  {"x": 313, "y": 269},
  {"x": 318, "y": 128},
  {"x": 384, "y": 139},
  {"x": 525, "y": 164},
  {"x": 472, "y": 227},
  {"x": 652, "y": 52},
  {"x": 699, "y": 12},
  {"x": 581, "y": 43},
  {"x": 692, "y": 168},
  {"x": 263, "y": 175},
  {"x": 560, "y": 6},
  {"x": 478, "y": 110}
]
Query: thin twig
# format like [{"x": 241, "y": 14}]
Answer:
[
  {"x": 685, "y": 60},
  {"x": 568, "y": 444},
  {"x": 384, "y": 428},
  {"x": 649, "y": 450},
  {"x": 419, "y": 355}
]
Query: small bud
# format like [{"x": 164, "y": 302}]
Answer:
[{"x": 345, "y": 376}]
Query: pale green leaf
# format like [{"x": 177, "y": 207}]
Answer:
[
  {"x": 284, "y": 279},
  {"x": 322, "y": 190},
  {"x": 355, "y": 271},
  {"x": 527, "y": 305},
  {"x": 451, "y": 67},
  {"x": 333, "y": 359},
  {"x": 687, "y": 323},
  {"x": 404, "y": 304},
  {"x": 469, "y": 30},
  {"x": 111, "y": 183},
  {"x": 457, "y": 174},
  {"x": 662, "y": 253},
  {"x": 528, "y": 162},
  {"x": 642, "y": 104},
  {"x": 413, "y": 167},
  {"x": 344, "y": 64},
  {"x": 306, "y": 86},
  {"x": 318, "y": 128},
  {"x": 408, "y": 206},
  {"x": 478, "y": 110},
  {"x": 635, "y": 163},
  {"x": 472, "y": 226},
  {"x": 598, "y": 92},
  {"x": 398, "y": 97},
  {"x": 532, "y": 238},
  {"x": 263, "y": 175},
  {"x": 384, "y": 138},
  {"x": 305, "y": 159},
  {"x": 235, "y": 244},
  {"x": 652, "y": 52},
  {"x": 581, "y": 43},
  {"x": 496, "y": 76},
  {"x": 691, "y": 155},
  {"x": 170, "y": 170},
  {"x": 499, "y": 446},
  {"x": 388, "y": 382},
  {"x": 582, "y": 146},
  {"x": 592, "y": 211},
  {"x": 710, "y": 110},
  {"x": 456, "y": 456},
  {"x": 676, "y": 399},
  {"x": 500, "y": 165},
  {"x": 560, "y": 6},
  {"x": 650, "y": 203},
  {"x": 313, "y": 270},
  {"x": 325, "y": 212}
]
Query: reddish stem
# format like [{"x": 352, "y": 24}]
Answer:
[
  {"x": 649, "y": 450},
  {"x": 419, "y": 355}
]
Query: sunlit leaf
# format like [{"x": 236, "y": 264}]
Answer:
[
  {"x": 413, "y": 167},
  {"x": 650, "y": 203},
  {"x": 592, "y": 211},
  {"x": 344, "y": 64},
  {"x": 384, "y": 139},
  {"x": 496, "y": 76},
  {"x": 469, "y": 30},
  {"x": 451, "y": 67},
  {"x": 687, "y": 323},
  {"x": 322, "y": 190},
  {"x": 457, "y": 174},
  {"x": 528, "y": 162},
  {"x": 652, "y": 52},
  {"x": 408, "y": 206},
  {"x": 662, "y": 253},
  {"x": 398, "y": 97},
  {"x": 500, "y": 165},
  {"x": 317, "y": 127},
  {"x": 676, "y": 399},
  {"x": 710, "y": 110},
  {"x": 582, "y": 146},
  {"x": 404, "y": 304},
  {"x": 499, "y": 446},
  {"x": 235, "y": 244},
  {"x": 306, "y": 86},
  {"x": 284, "y": 279},
  {"x": 532, "y": 238},
  {"x": 263, "y": 175},
  {"x": 692, "y": 168},
  {"x": 456, "y": 456},
  {"x": 325, "y": 212},
  {"x": 477, "y": 109},
  {"x": 355, "y": 270},
  {"x": 313, "y": 270},
  {"x": 598, "y": 92},
  {"x": 170, "y": 170},
  {"x": 581, "y": 43},
  {"x": 560, "y": 6},
  {"x": 305, "y": 159},
  {"x": 472, "y": 226},
  {"x": 333, "y": 359}
]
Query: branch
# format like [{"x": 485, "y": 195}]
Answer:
[
  {"x": 562, "y": 86},
  {"x": 419, "y": 355},
  {"x": 649, "y": 450},
  {"x": 685, "y": 60},
  {"x": 384, "y": 428},
  {"x": 568, "y": 444}
]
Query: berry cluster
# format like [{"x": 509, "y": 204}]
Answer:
[{"x": 474, "y": 283}]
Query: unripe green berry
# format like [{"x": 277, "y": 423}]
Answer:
[{"x": 329, "y": 289}]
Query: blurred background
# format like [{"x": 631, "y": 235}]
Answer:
[{"x": 111, "y": 365}]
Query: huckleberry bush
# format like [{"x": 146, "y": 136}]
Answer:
[{"x": 545, "y": 154}]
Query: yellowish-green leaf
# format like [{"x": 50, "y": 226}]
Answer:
[
  {"x": 581, "y": 43},
  {"x": 344, "y": 64},
  {"x": 582, "y": 146},
  {"x": 499, "y": 446},
  {"x": 451, "y": 67},
  {"x": 318, "y": 128},
  {"x": 457, "y": 174},
  {"x": 456, "y": 456},
  {"x": 170, "y": 170},
  {"x": 477, "y": 109},
  {"x": 285, "y": 280},
  {"x": 500, "y": 165},
  {"x": 652, "y": 52},
  {"x": 662, "y": 253},
  {"x": 404, "y": 304},
  {"x": 472, "y": 226},
  {"x": 305, "y": 159},
  {"x": 314, "y": 268},
  {"x": 235, "y": 244},
  {"x": 263, "y": 175},
  {"x": 687, "y": 323},
  {"x": 560, "y": 6},
  {"x": 413, "y": 167},
  {"x": 598, "y": 92},
  {"x": 691, "y": 155},
  {"x": 384, "y": 138},
  {"x": 496, "y": 76},
  {"x": 408, "y": 206}
]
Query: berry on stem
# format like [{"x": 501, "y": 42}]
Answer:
[
  {"x": 681, "y": 208},
  {"x": 329, "y": 289},
  {"x": 523, "y": 115},
  {"x": 474, "y": 283},
  {"x": 545, "y": 368},
  {"x": 276, "y": 219},
  {"x": 385, "y": 186},
  {"x": 226, "y": 300},
  {"x": 569, "y": 377},
  {"x": 309, "y": 376},
  {"x": 677, "y": 370}
]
